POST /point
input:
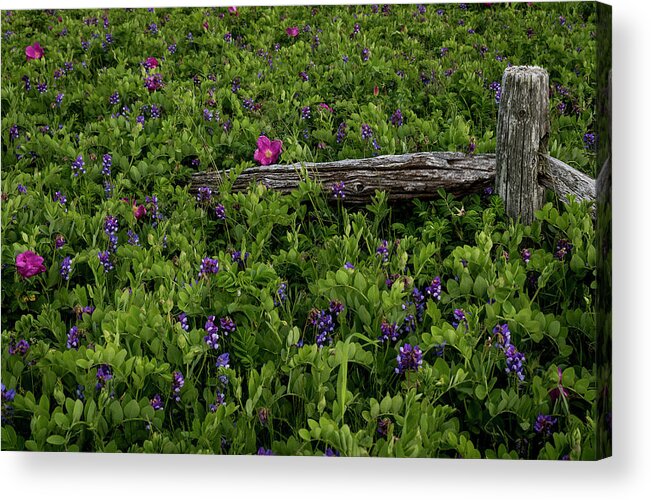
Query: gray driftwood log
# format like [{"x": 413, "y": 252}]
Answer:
[
  {"x": 417, "y": 175},
  {"x": 522, "y": 132}
]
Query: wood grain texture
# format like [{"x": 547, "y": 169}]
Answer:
[
  {"x": 522, "y": 132},
  {"x": 404, "y": 177},
  {"x": 417, "y": 175}
]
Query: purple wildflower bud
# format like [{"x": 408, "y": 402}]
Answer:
[
  {"x": 264, "y": 451},
  {"x": 183, "y": 320},
  {"x": 589, "y": 140},
  {"x": 305, "y": 113},
  {"x": 41, "y": 87},
  {"x": 107, "y": 162},
  {"x": 544, "y": 424},
  {"x": 21, "y": 347},
  {"x": 110, "y": 224},
  {"x": 66, "y": 268},
  {"x": 503, "y": 335},
  {"x": 365, "y": 54},
  {"x": 336, "y": 307},
  {"x": 59, "y": 241},
  {"x": 78, "y": 166},
  {"x": 177, "y": 384},
  {"x": 208, "y": 266},
  {"x": 156, "y": 402},
  {"x": 514, "y": 361},
  {"x": 526, "y": 255},
  {"x": 389, "y": 331},
  {"x": 459, "y": 317},
  {"x": 227, "y": 325},
  {"x": 434, "y": 289},
  {"x": 220, "y": 400},
  {"x": 329, "y": 452},
  {"x": 341, "y": 132},
  {"x": 367, "y": 131},
  {"x": 114, "y": 98},
  {"x": 204, "y": 194},
  {"x": 155, "y": 111},
  {"x": 439, "y": 349},
  {"x": 396, "y": 118},
  {"x": 133, "y": 238},
  {"x": 383, "y": 251},
  {"x": 263, "y": 416},
  {"x": 171, "y": 48},
  {"x": 410, "y": 358},
  {"x": 105, "y": 260},
  {"x": 223, "y": 361},
  {"x": 103, "y": 375},
  {"x": 153, "y": 28},
  {"x": 563, "y": 247},
  {"x": 281, "y": 294},
  {"x": 220, "y": 212},
  {"x": 212, "y": 330},
  {"x": 73, "y": 338},
  {"x": 338, "y": 190},
  {"x": 304, "y": 76},
  {"x": 349, "y": 265},
  {"x": 383, "y": 426}
]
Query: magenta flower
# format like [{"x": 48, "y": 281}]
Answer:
[
  {"x": 29, "y": 264},
  {"x": 233, "y": 10},
  {"x": 555, "y": 393},
  {"x": 152, "y": 62},
  {"x": 34, "y": 51},
  {"x": 268, "y": 151},
  {"x": 293, "y": 31},
  {"x": 325, "y": 107}
]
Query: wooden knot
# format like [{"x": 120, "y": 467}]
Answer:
[
  {"x": 358, "y": 187},
  {"x": 522, "y": 114}
]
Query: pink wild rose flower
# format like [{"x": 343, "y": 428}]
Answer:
[
  {"x": 268, "y": 151},
  {"x": 29, "y": 264},
  {"x": 232, "y": 10},
  {"x": 152, "y": 62},
  {"x": 34, "y": 51},
  {"x": 293, "y": 31}
]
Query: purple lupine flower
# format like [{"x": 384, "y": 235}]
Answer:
[
  {"x": 183, "y": 320},
  {"x": 41, "y": 87},
  {"x": 349, "y": 265},
  {"x": 156, "y": 402},
  {"x": 227, "y": 325},
  {"x": 329, "y": 452},
  {"x": 207, "y": 115},
  {"x": 73, "y": 338},
  {"x": 59, "y": 99},
  {"x": 365, "y": 54},
  {"x": 78, "y": 166},
  {"x": 544, "y": 424},
  {"x": 212, "y": 330},
  {"x": 263, "y": 416},
  {"x": 341, "y": 132},
  {"x": 434, "y": 289},
  {"x": 383, "y": 426},
  {"x": 223, "y": 360},
  {"x": 114, "y": 98},
  {"x": 367, "y": 131},
  {"x": 133, "y": 238},
  {"x": 459, "y": 317},
  {"x": 410, "y": 358},
  {"x": 324, "y": 324},
  {"x": 439, "y": 349},
  {"x": 263, "y": 451},
  {"x": 383, "y": 251},
  {"x": 396, "y": 118},
  {"x": 237, "y": 256},
  {"x": 21, "y": 347},
  {"x": 103, "y": 375},
  {"x": 13, "y": 132},
  {"x": 204, "y": 194},
  {"x": 220, "y": 400},
  {"x": 376, "y": 146},
  {"x": 105, "y": 260},
  {"x": 108, "y": 189},
  {"x": 389, "y": 331},
  {"x": 155, "y": 111},
  {"x": 472, "y": 146},
  {"x": 59, "y": 241},
  {"x": 281, "y": 294},
  {"x": 107, "y": 163},
  {"x": 171, "y": 48},
  {"x": 305, "y": 113},
  {"x": 110, "y": 224},
  {"x": 304, "y": 76},
  {"x": 28, "y": 85},
  {"x": 220, "y": 212},
  {"x": 85, "y": 45},
  {"x": 141, "y": 120},
  {"x": 526, "y": 255},
  {"x": 589, "y": 140},
  {"x": 563, "y": 247},
  {"x": 235, "y": 85},
  {"x": 153, "y": 29},
  {"x": 356, "y": 30},
  {"x": 338, "y": 190},
  {"x": 336, "y": 307},
  {"x": 514, "y": 361},
  {"x": 22, "y": 189},
  {"x": 503, "y": 335},
  {"x": 344, "y": 59},
  {"x": 177, "y": 384},
  {"x": 66, "y": 268},
  {"x": 208, "y": 266}
]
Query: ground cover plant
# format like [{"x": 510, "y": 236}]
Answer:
[{"x": 140, "y": 317}]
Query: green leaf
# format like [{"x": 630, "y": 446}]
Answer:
[
  {"x": 132, "y": 409},
  {"x": 116, "y": 412},
  {"x": 77, "y": 411},
  {"x": 56, "y": 440}
]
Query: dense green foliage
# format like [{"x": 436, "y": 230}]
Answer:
[{"x": 281, "y": 391}]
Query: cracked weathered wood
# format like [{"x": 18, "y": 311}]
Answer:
[
  {"x": 522, "y": 132},
  {"x": 408, "y": 176},
  {"x": 565, "y": 180},
  {"x": 416, "y": 175}
]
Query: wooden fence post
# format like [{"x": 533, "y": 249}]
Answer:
[{"x": 522, "y": 131}]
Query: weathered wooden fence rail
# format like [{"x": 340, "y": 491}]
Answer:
[{"x": 520, "y": 169}]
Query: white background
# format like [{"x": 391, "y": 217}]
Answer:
[{"x": 625, "y": 476}]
